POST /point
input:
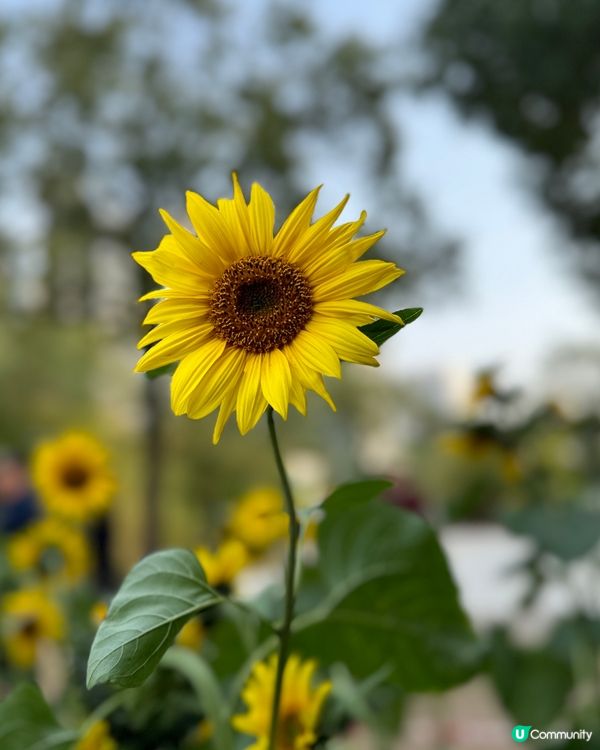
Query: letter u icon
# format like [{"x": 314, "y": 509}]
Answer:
[{"x": 520, "y": 733}]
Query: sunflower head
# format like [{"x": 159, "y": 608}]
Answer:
[
  {"x": 258, "y": 519},
  {"x": 300, "y": 707},
  {"x": 254, "y": 316},
  {"x": 29, "y": 617},
  {"x": 73, "y": 478},
  {"x": 223, "y": 565},
  {"x": 97, "y": 737},
  {"x": 53, "y": 550}
]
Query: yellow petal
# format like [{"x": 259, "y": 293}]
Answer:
[
  {"x": 173, "y": 348},
  {"x": 236, "y": 217},
  {"x": 171, "y": 268},
  {"x": 190, "y": 372},
  {"x": 359, "y": 247},
  {"x": 222, "y": 377},
  {"x": 316, "y": 705},
  {"x": 355, "y": 311},
  {"x": 360, "y": 278},
  {"x": 334, "y": 245},
  {"x": 176, "y": 309},
  {"x": 296, "y": 223},
  {"x": 298, "y": 396},
  {"x": 313, "y": 238},
  {"x": 251, "y": 404},
  {"x": 315, "y": 354},
  {"x": 227, "y": 406},
  {"x": 303, "y": 372},
  {"x": 276, "y": 380},
  {"x": 315, "y": 383},
  {"x": 202, "y": 257},
  {"x": 262, "y": 220},
  {"x": 348, "y": 343},
  {"x": 342, "y": 234},
  {"x": 164, "y": 294},
  {"x": 332, "y": 263},
  {"x": 239, "y": 206},
  {"x": 210, "y": 227},
  {"x": 168, "y": 329}
]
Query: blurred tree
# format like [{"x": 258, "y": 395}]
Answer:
[{"x": 532, "y": 69}]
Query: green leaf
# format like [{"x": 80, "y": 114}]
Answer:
[
  {"x": 390, "y": 599},
  {"x": 26, "y": 721},
  {"x": 381, "y": 330},
  {"x": 156, "y": 599},
  {"x": 569, "y": 532},
  {"x": 354, "y": 493},
  {"x": 541, "y": 691}
]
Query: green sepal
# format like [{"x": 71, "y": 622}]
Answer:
[{"x": 380, "y": 331}]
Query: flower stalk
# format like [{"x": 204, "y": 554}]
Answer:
[{"x": 288, "y": 616}]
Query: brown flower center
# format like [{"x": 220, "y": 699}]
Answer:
[
  {"x": 74, "y": 476},
  {"x": 29, "y": 628},
  {"x": 260, "y": 304}
]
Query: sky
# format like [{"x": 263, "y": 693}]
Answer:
[{"x": 520, "y": 300}]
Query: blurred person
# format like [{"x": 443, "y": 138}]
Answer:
[{"x": 18, "y": 503}]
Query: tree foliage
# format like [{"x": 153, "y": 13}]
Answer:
[{"x": 531, "y": 68}]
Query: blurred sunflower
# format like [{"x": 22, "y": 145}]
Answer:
[
  {"x": 300, "y": 707},
  {"x": 223, "y": 565},
  {"x": 482, "y": 442},
  {"x": 97, "y": 737},
  {"x": 53, "y": 549},
  {"x": 258, "y": 519},
  {"x": 473, "y": 442},
  {"x": 29, "y": 617},
  {"x": 72, "y": 475},
  {"x": 98, "y": 612},
  {"x": 191, "y": 634},
  {"x": 256, "y": 317}
]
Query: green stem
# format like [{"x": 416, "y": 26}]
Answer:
[{"x": 288, "y": 616}]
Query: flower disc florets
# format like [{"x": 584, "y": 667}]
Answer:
[{"x": 260, "y": 304}]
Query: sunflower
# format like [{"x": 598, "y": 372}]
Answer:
[
  {"x": 97, "y": 737},
  {"x": 52, "y": 549},
  {"x": 300, "y": 707},
  {"x": 254, "y": 317},
  {"x": 223, "y": 565},
  {"x": 72, "y": 475},
  {"x": 29, "y": 616},
  {"x": 481, "y": 444},
  {"x": 258, "y": 519}
]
